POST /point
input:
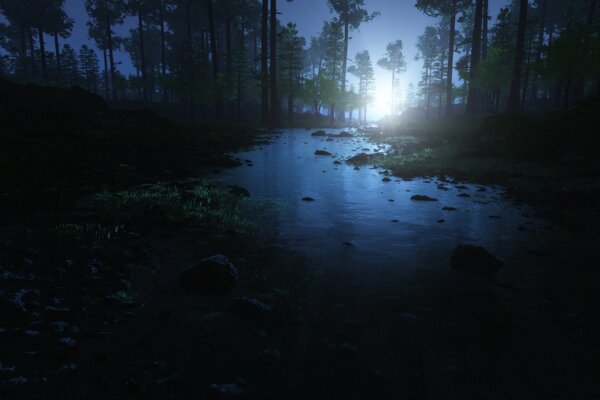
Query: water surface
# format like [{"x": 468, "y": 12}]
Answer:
[{"x": 359, "y": 221}]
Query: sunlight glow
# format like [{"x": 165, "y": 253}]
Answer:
[{"x": 382, "y": 101}]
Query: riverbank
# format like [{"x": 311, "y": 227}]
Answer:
[
  {"x": 102, "y": 211},
  {"x": 549, "y": 161}
]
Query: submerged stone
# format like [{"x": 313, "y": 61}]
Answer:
[
  {"x": 474, "y": 260},
  {"x": 419, "y": 197}
]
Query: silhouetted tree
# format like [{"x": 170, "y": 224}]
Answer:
[
  {"x": 394, "y": 62},
  {"x": 351, "y": 14},
  {"x": 514, "y": 98},
  {"x": 363, "y": 70},
  {"x": 451, "y": 9}
]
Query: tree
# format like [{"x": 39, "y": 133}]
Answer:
[
  {"x": 214, "y": 57},
  {"x": 351, "y": 14},
  {"x": 104, "y": 14},
  {"x": 139, "y": 9},
  {"x": 514, "y": 102},
  {"x": 428, "y": 45},
  {"x": 89, "y": 68},
  {"x": 332, "y": 37},
  {"x": 59, "y": 25},
  {"x": 445, "y": 8},
  {"x": 394, "y": 62},
  {"x": 292, "y": 63},
  {"x": 275, "y": 106},
  {"x": 72, "y": 76},
  {"x": 473, "y": 101},
  {"x": 264, "y": 60},
  {"x": 363, "y": 70}
]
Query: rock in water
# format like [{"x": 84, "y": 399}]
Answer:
[
  {"x": 474, "y": 260},
  {"x": 322, "y": 153},
  {"x": 419, "y": 197},
  {"x": 319, "y": 133},
  {"x": 213, "y": 275}
]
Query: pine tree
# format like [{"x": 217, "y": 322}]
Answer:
[{"x": 394, "y": 62}]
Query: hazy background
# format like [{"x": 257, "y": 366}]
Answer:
[{"x": 399, "y": 19}]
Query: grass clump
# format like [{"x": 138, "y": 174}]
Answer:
[{"x": 194, "y": 206}]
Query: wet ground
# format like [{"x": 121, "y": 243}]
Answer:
[
  {"x": 384, "y": 315},
  {"x": 364, "y": 302}
]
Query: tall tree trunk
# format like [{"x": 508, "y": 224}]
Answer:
[
  {"x": 540, "y": 46},
  {"x": 345, "y": 62},
  {"x": 57, "y": 51},
  {"x": 106, "y": 83},
  {"x": 214, "y": 58},
  {"x": 393, "y": 97},
  {"x": 473, "y": 101},
  {"x": 514, "y": 106},
  {"x": 163, "y": 52},
  {"x": 291, "y": 80},
  {"x": 142, "y": 55},
  {"x": 264, "y": 55},
  {"x": 189, "y": 59},
  {"x": 32, "y": 53},
  {"x": 111, "y": 58},
  {"x": 484, "y": 31},
  {"x": 43, "y": 53},
  {"x": 527, "y": 68},
  {"x": 580, "y": 84},
  {"x": 239, "y": 78},
  {"x": 449, "y": 87},
  {"x": 229, "y": 59},
  {"x": 333, "y": 76},
  {"x": 428, "y": 91},
  {"x": 273, "y": 70},
  {"x": 23, "y": 52}
]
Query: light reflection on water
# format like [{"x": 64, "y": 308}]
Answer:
[{"x": 353, "y": 207}]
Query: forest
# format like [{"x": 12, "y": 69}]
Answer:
[
  {"x": 235, "y": 60},
  {"x": 300, "y": 199}
]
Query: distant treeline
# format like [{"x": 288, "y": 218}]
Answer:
[{"x": 232, "y": 59}]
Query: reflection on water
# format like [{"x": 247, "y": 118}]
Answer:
[{"x": 357, "y": 219}]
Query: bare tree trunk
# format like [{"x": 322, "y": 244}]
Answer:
[
  {"x": 273, "y": 67},
  {"x": 189, "y": 58},
  {"x": 527, "y": 68},
  {"x": 163, "y": 52},
  {"x": 514, "y": 106},
  {"x": 214, "y": 57},
  {"x": 484, "y": 33},
  {"x": 291, "y": 79},
  {"x": 43, "y": 53},
  {"x": 23, "y": 52},
  {"x": 239, "y": 79},
  {"x": 106, "y": 82},
  {"x": 32, "y": 53},
  {"x": 57, "y": 51},
  {"x": 264, "y": 74},
  {"x": 345, "y": 63},
  {"x": 473, "y": 101},
  {"x": 111, "y": 59},
  {"x": 142, "y": 55},
  {"x": 449, "y": 87},
  {"x": 540, "y": 46}
]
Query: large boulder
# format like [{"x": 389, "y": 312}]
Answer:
[
  {"x": 213, "y": 275},
  {"x": 474, "y": 260},
  {"x": 319, "y": 133}
]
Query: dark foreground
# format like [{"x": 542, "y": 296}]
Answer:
[{"x": 101, "y": 217}]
